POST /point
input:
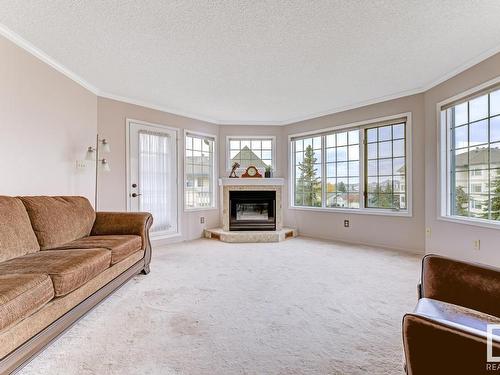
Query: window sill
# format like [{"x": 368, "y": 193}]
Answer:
[
  {"x": 167, "y": 236},
  {"x": 491, "y": 224},
  {"x": 354, "y": 211},
  {"x": 201, "y": 209}
]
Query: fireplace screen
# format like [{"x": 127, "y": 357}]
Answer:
[{"x": 252, "y": 210}]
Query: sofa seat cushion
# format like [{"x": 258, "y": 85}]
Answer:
[
  {"x": 21, "y": 295},
  {"x": 121, "y": 246},
  {"x": 16, "y": 234},
  {"x": 68, "y": 269},
  {"x": 59, "y": 220}
]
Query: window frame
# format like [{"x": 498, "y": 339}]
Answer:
[
  {"x": 214, "y": 205},
  {"x": 229, "y": 138},
  {"x": 361, "y": 125},
  {"x": 444, "y": 160}
]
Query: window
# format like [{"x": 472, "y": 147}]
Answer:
[
  {"x": 247, "y": 151},
  {"x": 342, "y": 169},
  {"x": 308, "y": 172},
  {"x": 386, "y": 166},
  {"x": 361, "y": 168},
  {"x": 476, "y": 188},
  {"x": 471, "y": 143},
  {"x": 199, "y": 188}
]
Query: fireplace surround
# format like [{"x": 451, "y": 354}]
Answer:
[{"x": 252, "y": 210}]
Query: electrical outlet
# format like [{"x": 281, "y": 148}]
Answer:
[
  {"x": 202, "y": 220},
  {"x": 346, "y": 223},
  {"x": 428, "y": 232},
  {"x": 81, "y": 164},
  {"x": 477, "y": 244}
]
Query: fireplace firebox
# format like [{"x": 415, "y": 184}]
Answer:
[{"x": 252, "y": 210}]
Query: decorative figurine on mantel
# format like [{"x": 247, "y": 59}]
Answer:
[{"x": 233, "y": 170}]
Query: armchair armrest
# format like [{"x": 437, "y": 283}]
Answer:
[
  {"x": 122, "y": 223},
  {"x": 441, "y": 338},
  {"x": 465, "y": 284}
]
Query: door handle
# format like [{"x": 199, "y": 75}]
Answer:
[{"x": 135, "y": 195}]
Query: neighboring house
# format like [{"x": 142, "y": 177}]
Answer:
[
  {"x": 398, "y": 185},
  {"x": 474, "y": 171},
  {"x": 246, "y": 158},
  {"x": 343, "y": 200}
]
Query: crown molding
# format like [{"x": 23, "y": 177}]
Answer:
[
  {"x": 39, "y": 54},
  {"x": 156, "y": 107},
  {"x": 27, "y": 46},
  {"x": 364, "y": 103},
  {"x": 462, "y": 68}
]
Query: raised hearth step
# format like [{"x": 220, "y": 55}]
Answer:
[{"x": 250, "y": 236}]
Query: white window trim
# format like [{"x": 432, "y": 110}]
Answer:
[
  {"x": 362, "y": 210},
  {"x": 443, "y": 163},
  {"x": 228, "y": 163},
  {"x": 214, "y": 173}
]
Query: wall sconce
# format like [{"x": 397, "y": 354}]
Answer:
[{"x": 93, "y": 154}]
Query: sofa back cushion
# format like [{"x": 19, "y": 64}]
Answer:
[
  {"x": 16, "y": 234},
  {"x": 59, "y": 220}
]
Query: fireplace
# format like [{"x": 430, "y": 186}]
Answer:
[{"x": 252, "y": 210}]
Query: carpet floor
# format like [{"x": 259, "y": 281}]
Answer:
[{"x": 302, "y": 306}]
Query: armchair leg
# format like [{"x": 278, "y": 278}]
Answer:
[{"x": 146, "y": 270}]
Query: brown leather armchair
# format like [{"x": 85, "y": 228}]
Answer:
[{"x": 447, "y": 331}]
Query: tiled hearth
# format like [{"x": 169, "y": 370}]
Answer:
[{"x": 253, "y": 186}]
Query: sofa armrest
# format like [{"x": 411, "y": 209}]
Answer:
[
  {"x": 442, "y": 338},
  {"x": 121, "y": 223},
  {"x": 465, "y": 284}
]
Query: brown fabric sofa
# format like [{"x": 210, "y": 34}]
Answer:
[
  {"x": 447, "y": 331},
  {"x": 58, "y": 259}
]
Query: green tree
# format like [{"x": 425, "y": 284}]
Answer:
[
  {"x": 309, "y": 185},
  {"x": 341, "y": 188},
  {"x": 383, "y": 197},
  {"x": 495, "y": 201},
  {"x": 461, "y": 202}
]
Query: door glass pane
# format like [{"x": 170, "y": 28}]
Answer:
[{"x": 155, "y": 176}]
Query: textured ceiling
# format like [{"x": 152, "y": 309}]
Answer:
[{"x": 258, "y": 61}]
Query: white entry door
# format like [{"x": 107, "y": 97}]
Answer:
[{"x": 152, "y": 175}]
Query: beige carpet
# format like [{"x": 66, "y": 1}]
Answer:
[{"x": 299, "y": 307}]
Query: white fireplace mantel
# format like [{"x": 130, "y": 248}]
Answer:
[{"x": 226, "y": 181}]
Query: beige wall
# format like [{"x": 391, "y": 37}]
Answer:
[
  {"x": 46, "y": 123},
  {"x": 112, "y": 116},
  {"x": 405, "y": 233},
  {"x": 455, "y": 240}
]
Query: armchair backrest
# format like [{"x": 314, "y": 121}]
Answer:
[{"x": 465, "y": 284}]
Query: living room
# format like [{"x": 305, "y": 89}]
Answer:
[{"x": 250, "y": 187}]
